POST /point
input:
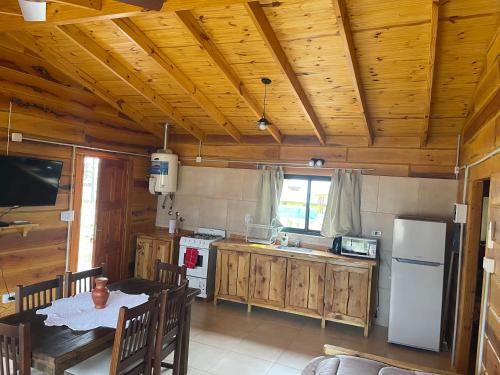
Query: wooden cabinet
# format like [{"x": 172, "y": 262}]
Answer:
[
  {"x": 157, "y": 244},
  {"x": 267, "y": 280},
  {"x": 232, "y": 275},
  {"x": 319, "y": 284},
  {"x": 347, "y": 292},
  {"x": 305, "y": 286}
]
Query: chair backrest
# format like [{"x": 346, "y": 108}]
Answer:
[
  {"x": 38, "y": 295},
  {"x": 134, "y": 339},
  {"x": 83, "y": 281},
  {"x": 15, "y": 349},
  {"x": 171, "y": 321},
  {"x": 169, "y": 274}
]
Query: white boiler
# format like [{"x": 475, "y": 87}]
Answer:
[{"x": 163, "y": 173}]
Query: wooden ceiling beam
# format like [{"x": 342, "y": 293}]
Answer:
[
  {"x": 62, "y": 14},
  {"x": 59, "y": 62},
  {"x": 352, "y": 62},
  {"x": 85, "y": 4},
  {"x": 267, "y": 33},
  {"x": 430, "y": 72},
  {"x": 216, "y": 57},
  {"x": 127, "y": 75},
  {"x": 141, "y": 40}
]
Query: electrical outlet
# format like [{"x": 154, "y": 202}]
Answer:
[
  {"x": 198, "y": 159},
  {"x": 376, "y": 233},
  {"x": 17, "y": 137},
  {"x": 248, "y": 219},
  {"x": 67, "y": 215},
  {"x": 6, "y": 298}
]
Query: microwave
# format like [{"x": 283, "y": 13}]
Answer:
[{"x": 359, "y": 247}]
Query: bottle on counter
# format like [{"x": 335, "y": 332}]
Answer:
[{"x": 284, "y": 240}]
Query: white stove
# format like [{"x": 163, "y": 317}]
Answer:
[{"x": 203, "y": 275}]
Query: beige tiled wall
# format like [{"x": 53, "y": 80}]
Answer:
[{"x": 221, "y": 197}]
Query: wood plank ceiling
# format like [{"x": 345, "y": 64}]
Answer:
[{"x": 342, "y": 70}]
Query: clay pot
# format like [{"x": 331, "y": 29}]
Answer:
[{"x": 100, "y": 294}]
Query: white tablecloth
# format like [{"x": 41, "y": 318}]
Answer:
[{"x": 79, "y": 313}]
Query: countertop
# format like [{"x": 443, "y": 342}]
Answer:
[{"x": 314, "y": 255}]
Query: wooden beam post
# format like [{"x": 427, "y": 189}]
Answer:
[
  {"x": 216, "y": 57},
  {"x": 127, "y": 75},
  {"x": 430, "y": 71},
  {"x": 72, "y": 71},
  {"x": 352, "y": 62},
  {"x": 85, "y": 4},
  {"x": 267, "y": 33},
  {"x": 141, "y": 40}
]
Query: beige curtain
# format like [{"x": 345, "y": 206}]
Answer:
[
  {"x": 343, "y": 210},
  {"x": 268, "y": 195}
]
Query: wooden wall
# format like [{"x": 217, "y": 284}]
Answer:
[
  {"x": 41, "y": 255},
  {"x": 401, "y": 156},
  {"x": 480, "y": 136}
]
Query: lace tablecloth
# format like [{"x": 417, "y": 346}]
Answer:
[{"x": 79, "y": 313}]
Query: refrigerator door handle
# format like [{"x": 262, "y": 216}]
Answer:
[{"x": 419, "y": 262}]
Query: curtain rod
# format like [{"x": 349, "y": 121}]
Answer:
[{"x": 275, "y": 164}]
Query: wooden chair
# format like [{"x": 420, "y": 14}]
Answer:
[
  {"x": 83, "y": 281},
  {"x": 15, "y": 349},
  {"x": 170, "y": 327},
  {"x": 169, "y": 274},
  {"x": 38, "y": 295},
  {"x": 133, "y": 346}
]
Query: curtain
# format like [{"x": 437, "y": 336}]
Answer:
[
  {"x": 343, "y": 209},
  {"x": 268, "y": 195}
]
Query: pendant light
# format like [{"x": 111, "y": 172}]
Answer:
[{"x": 263, "y": 122}]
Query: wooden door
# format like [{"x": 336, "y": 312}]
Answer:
[
  {"x": 111, "y": 214},
  {"x": 346, "y": 293},
  {"x": 490, "y": 363},
  {"x": 162, "y": 251},
  {"x": 144, "y": 258},
  {"x": 267, "y": 280},
  {"x": 305, "y": 286},
  {"x": 231, "y": 276}
]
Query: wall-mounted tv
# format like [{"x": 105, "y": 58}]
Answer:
[{"x": 28, "y": 181}]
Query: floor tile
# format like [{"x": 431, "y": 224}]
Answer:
[
  {"x": 278, "y": 369},
  {"x": 204, "y": 357},
  {"x": 240, "y": 364}
]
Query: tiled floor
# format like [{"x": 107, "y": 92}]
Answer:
[{"x": 226, "y": 340}]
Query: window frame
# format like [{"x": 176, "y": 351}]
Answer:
[{"x": 309, "y": 179}]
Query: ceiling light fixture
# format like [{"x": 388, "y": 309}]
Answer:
[{"x": 263, "y": 122}]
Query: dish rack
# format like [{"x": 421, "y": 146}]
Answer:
[{"x": 263, "y": 233}]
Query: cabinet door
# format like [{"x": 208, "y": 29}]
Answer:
[
  {"x": 231, "y": 277},
  {"x": 267, "y": 280},
  {"x": 144, "y": 255},
  {"x": 305, "y": 286},
  {"x": 163, "y": 251},
  {"x": 346, "y": 293}
]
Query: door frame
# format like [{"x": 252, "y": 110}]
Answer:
[
  {"x": 77, "y": 205},
  {"x": 470, "y": 258}
]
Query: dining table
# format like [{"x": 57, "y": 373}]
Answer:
[{"x": 57, "y": 348}]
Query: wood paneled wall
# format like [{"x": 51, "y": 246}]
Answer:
[
  {"x": 480, "y": 136},
  {"x": 41, "y": 255}
]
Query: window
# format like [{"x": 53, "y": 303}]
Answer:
[{"x": 303, "y": 203}]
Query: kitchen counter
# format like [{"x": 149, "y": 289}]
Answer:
[
  {"x": 309, "y": 282},
  {"x": 312, "y": 255}
]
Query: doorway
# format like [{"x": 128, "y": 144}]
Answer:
[
  {"x": 101, "y": 206},
  {"x": 482, "y": 203}
]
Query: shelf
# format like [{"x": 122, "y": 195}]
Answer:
[{"x": 22, "y": 229}]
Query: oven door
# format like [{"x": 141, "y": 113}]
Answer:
[{"x": 201, "y": 269}]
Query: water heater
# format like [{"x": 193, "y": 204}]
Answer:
[{"x": 163, "y": 173}]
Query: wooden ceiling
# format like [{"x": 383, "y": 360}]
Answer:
[{"x": 340, "y": 68}]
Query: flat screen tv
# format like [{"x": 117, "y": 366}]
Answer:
[{"x": 28, "y": 181}]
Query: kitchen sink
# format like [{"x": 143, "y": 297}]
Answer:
[{"x": 294, "y": 249}]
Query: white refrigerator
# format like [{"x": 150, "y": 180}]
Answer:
[{"x": 417, "y": 278}]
